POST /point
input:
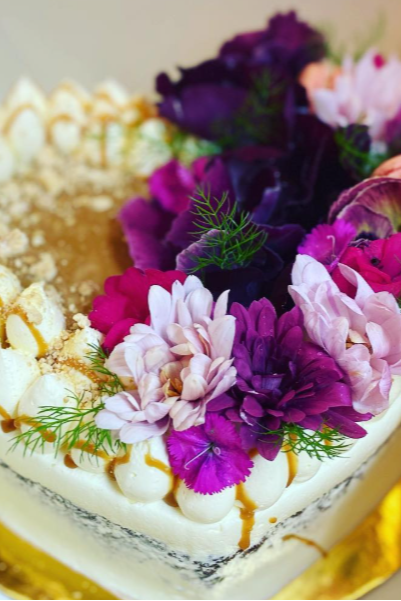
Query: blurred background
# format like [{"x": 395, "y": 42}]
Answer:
[{"x": 132, "y": 40}]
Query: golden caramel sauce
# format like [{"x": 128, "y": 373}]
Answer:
[
  {"x": 117, "y": 461},
  {"x": 16, "y": 113},
  {"x": 69, "y": 462},
  {"x": 7, "y": 423},
  {"x": 166, "y": 469},
  {"x": 247, "y": 515},
  {"x": 306, "y": 541},
  {"x": 292, "y": 466},
  {"x": 42, "y": 345},
  {"x": 4, "y": 414},
  {"x": 252, "y": 453},
  {"x": 272, "y": 520},
  {"x": 90, "y": 448},
  {"x": 81, "y": 367},
  {"x": 170, "y": 498},
  {"x": 160, "y": 465},
  {"x": 47, "y": 435}
]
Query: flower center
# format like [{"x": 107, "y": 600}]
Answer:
[{"x": 174, "y": 387}]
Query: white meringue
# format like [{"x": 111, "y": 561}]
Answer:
[
  {"x": 10, "y": 286},
  {"x": 206, "y": 509},
  {"x": 138, "y": 480},
  {"x": 267, "y": 481},
  {"x": 17, "y": 372},
  {"x": 34, "y": 321}
]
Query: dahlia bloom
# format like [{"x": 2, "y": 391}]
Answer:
[
  {"x": 181, "y": 360},
  {"x": 125, "y": 302},
  {"x": 361, "y": 333},
  {"x": 366, "y": 92},
  {"x": 281, "y": 379}
]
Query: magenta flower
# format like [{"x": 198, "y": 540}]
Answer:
[
  {"x": 172, "y": 185},
  {"x": 378, "y": 262},
  {"x": 125, "y": 302},
  {"x": 327, "y": 243},
  {"x": 282, "y": 379},
  {"x": 209, "y": 458}
]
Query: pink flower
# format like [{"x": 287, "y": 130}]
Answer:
[
  {"x": 125, "y": 301},
  {"x": 378, "y": 262},
  {"x": 327, "y": 243},
  {"x": 181, "y": 360},
  {"x": 366, "y": 92},
  {"x": 209, "y": 458},
  {"x": 361, "y": 333},
  {"x": 172, "y": 185}
]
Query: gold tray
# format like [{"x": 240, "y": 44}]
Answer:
[{"x": 360, "y": 563}]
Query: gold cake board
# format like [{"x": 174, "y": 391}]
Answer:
[{"x": 360, "y": 563}]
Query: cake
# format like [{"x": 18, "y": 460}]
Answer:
[{"x": 227, "y": 409}]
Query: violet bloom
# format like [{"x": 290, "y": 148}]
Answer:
[
  {"x": 327, "y": 243},
  {"x": 209, "y": 458},
  {"x": 281, "y": 379},
  {"x": 212, "y": 93}
]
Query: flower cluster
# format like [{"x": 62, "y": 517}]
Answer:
[{"x": 263, "y": 309}]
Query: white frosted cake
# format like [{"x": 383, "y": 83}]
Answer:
[{"x": 115, "y": 507}]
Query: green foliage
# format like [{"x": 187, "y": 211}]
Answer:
[
  {"x": 325, "y": 443},
  {"x": 230, "y": 237}
]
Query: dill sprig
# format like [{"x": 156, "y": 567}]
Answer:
[
  {"x": 358, "y": 161},
  {"x": 231, "y": 238},
  {"x": 68, "y": 427},
  {"x": 321, "y": 444}
]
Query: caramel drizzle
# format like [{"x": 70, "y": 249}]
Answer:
[
  {"x": 81, "y": 367},
  {"x": 7, "y": 423},
  {"x": 47, "y": 435},
  {"x": 292, "y": 460},
  {"x": 170, "y": 498},
  {"x": 117, "y": 461},
  {"x": 69, "y": 462},
  {"x": 86, "y": 447},
  {"x": 42, "y": 345},
  {"x": 272, "y": 520},
  {"x": 306, "y": 541},
  {"x": 9, "y": 123},
  {"x": 247, "y": 515}
]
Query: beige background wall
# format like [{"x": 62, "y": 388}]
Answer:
[{"x": 134, "y": 39}]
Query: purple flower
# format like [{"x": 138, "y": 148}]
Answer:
[
  {"x": 327, "y": 243},
  {"x": 208, "y": 97},
  {"x": 282, "y": 379},
  {"x": 286, "y": 41},
  {"x": 209, "y": 458},
  {"x": 373, "y": 207}
]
